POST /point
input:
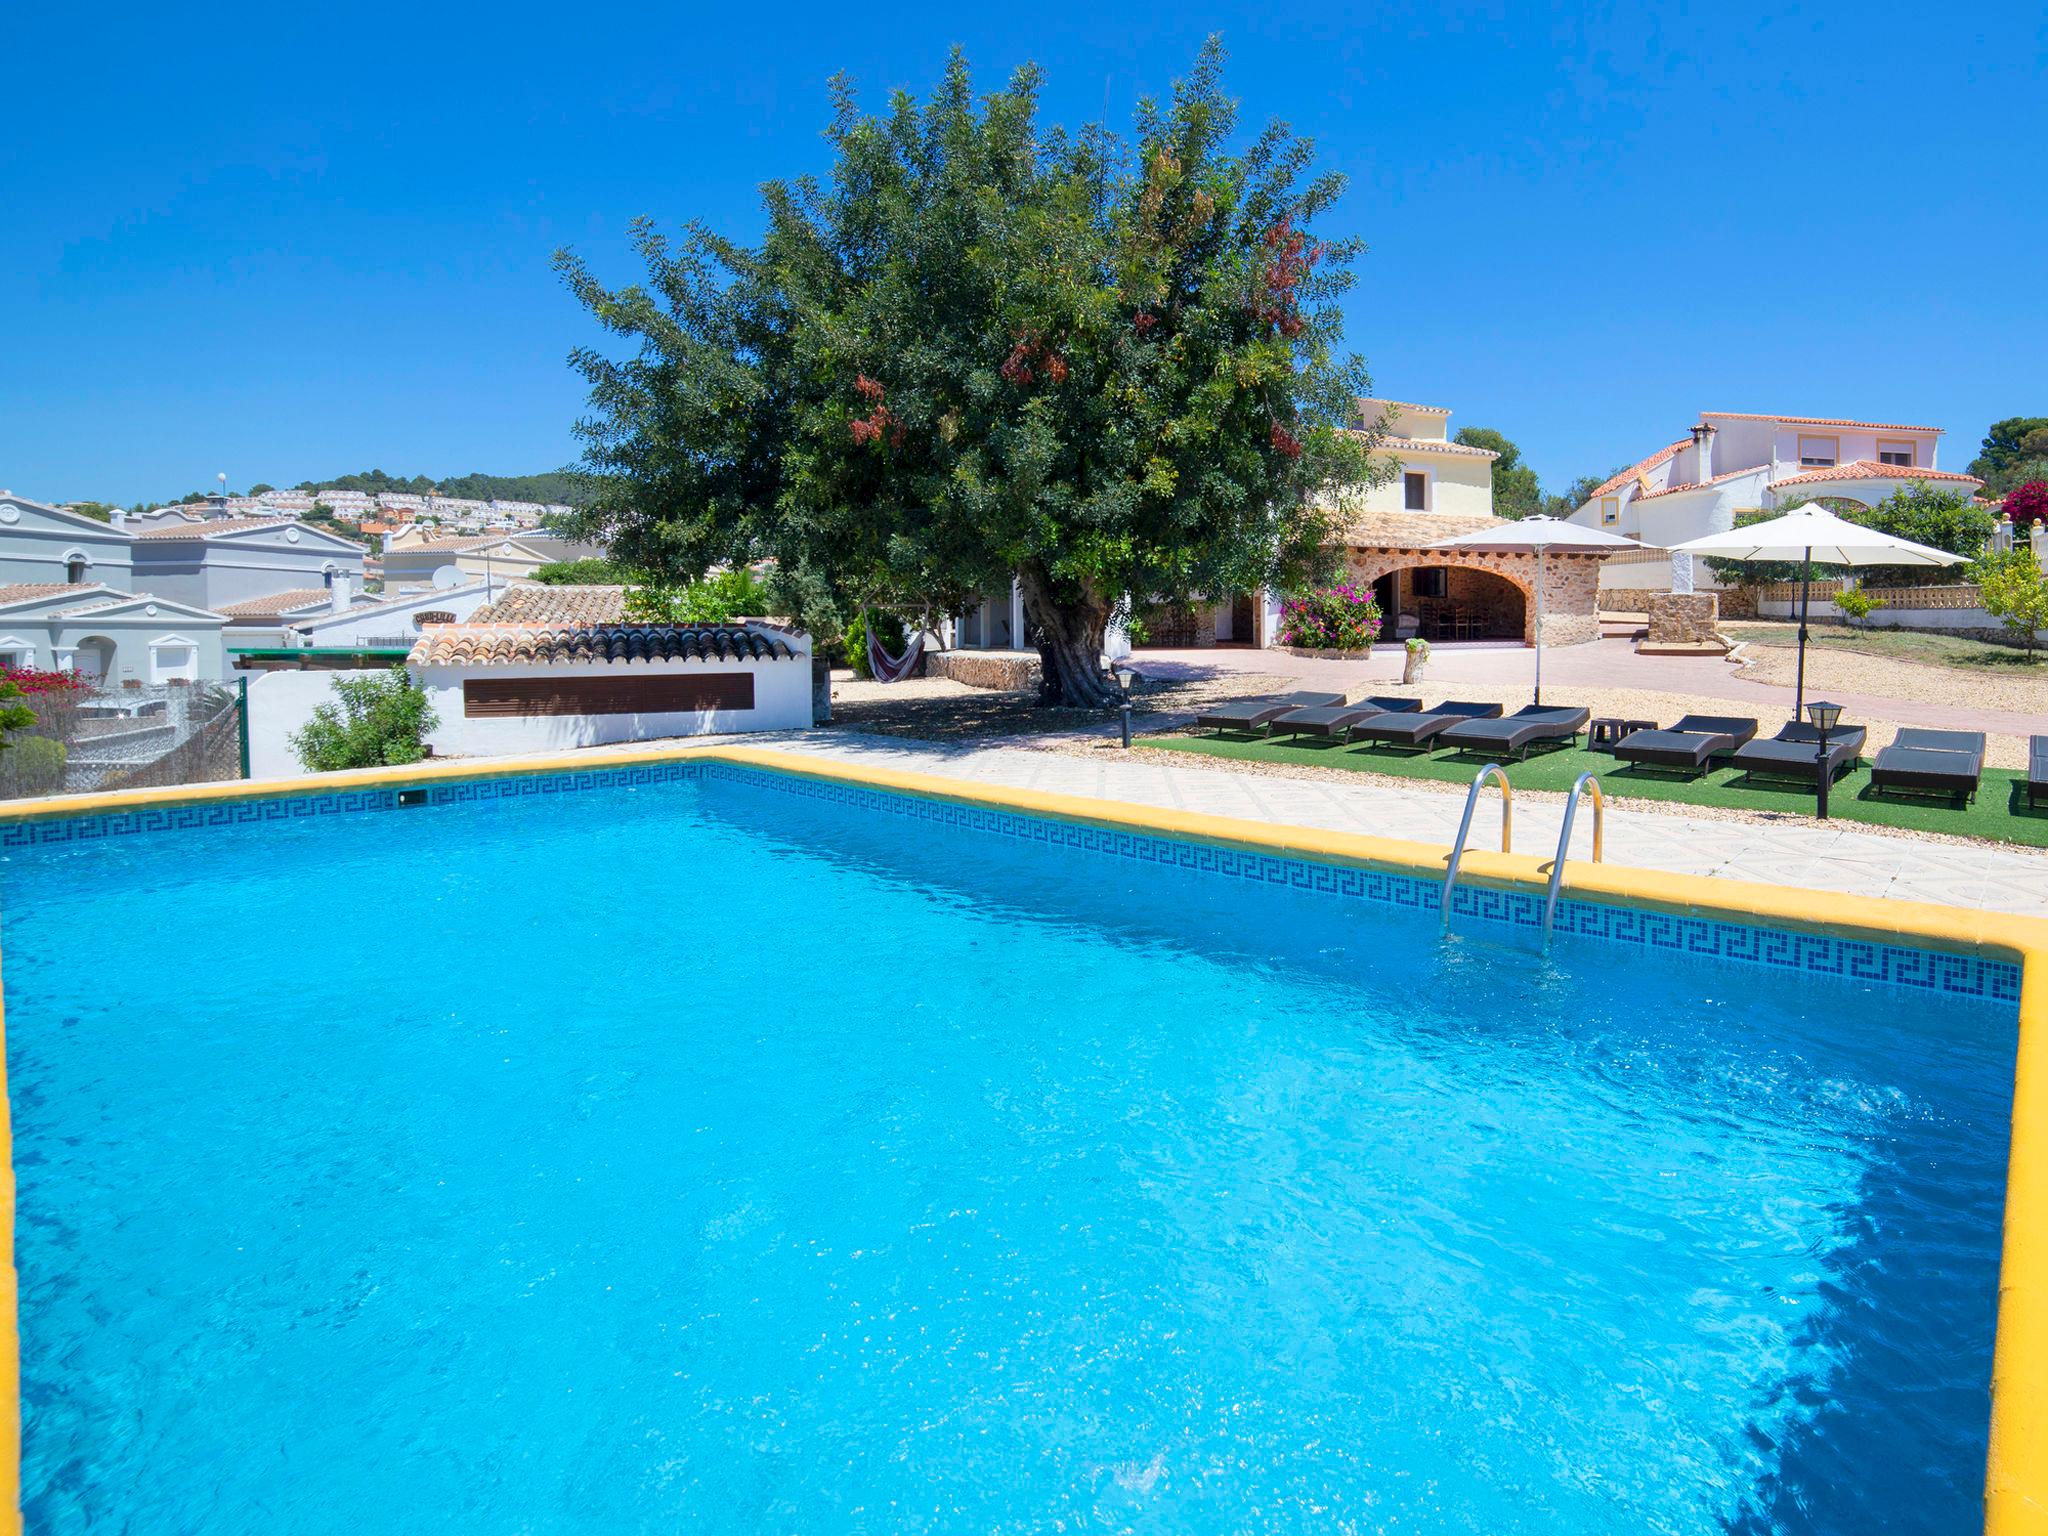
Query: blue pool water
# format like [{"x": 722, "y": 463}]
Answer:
[{"x": 701, "y": 1157}]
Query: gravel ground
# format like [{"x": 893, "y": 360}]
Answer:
[{"x": 1916, "y": 682}]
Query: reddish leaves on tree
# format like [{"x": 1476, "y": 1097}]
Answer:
[
  {"x": 1285, "y": 443},
  {"x": 1028, "y": 358},
  {"x": 1143, "y": 321},
  {"x": 1290, "y": 261},
  {"x": 866, "y": 429}
]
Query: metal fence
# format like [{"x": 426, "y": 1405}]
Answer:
[{"x": 125, "y": 738}]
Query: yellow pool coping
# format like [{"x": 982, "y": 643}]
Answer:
[{"x": 2016, "y": 1473}]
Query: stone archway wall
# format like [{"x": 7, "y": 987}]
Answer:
[{"x": 1571, "y": 583}]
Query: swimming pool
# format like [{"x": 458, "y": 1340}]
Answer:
[{"x": 693, "y": 1146}]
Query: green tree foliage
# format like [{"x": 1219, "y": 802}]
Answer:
[
  {"x": 717, "y": 599},
  {"x": 2007, "y": 447},
  {"x": 1515, "y": 491},
  {"x": 260, "y": 487},
  {"x": 371, "y": 722},
  {"x": 2014, "y": 590},
  {"x": 14, "y": 715},
  {"x": 582, "y": 573},
  {"x": 566, "y": 486},
  {"x": 1944, "y": 519},
  {"x": 984, "y": 348}
]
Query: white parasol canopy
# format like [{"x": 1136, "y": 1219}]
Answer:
[
  {"x": 1809, "y": 534},
  {"x": 1534, "y": 535}
]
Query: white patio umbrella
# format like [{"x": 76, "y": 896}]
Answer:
[
  {"x": 1809, "y": 534},
  {"x": 1538, "y": 534}
]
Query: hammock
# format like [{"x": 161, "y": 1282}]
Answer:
[{"x": 887, "y": 668}]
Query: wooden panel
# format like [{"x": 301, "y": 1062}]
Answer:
[{"x": 494, "y": 698}]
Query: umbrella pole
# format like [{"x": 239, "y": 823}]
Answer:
[
  {"x": 1539, "y": 623},
  {"x": 1805, "y": 604}
]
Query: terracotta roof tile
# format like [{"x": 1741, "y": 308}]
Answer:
[
  {"x": 24, "y": 591},
  {"x": 1409, "y": 530},
  {"x": 1870, "y": 469},
  {"x": 206, "y": 530},
  {"x": 533, "y": 603},
  {"x": 1640, "y": 467},
  {"x": 488, "y": 645},
  {"x": 1435, "y": 445},
  {"x": 1814, "y": 421},
  {"x": 1674, "y": 490},
  {"x": 275, "y": 602}
]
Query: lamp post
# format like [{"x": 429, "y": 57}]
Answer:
[
  {"x": 1824, "y": 716},
  {"x": 1124, "y": 677}
]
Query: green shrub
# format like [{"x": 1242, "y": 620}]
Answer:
[
  {"x": 373, "y": 722},
  {"x": 582, "y": 573},
  {"x": 2014, "y": 590},
  {"x": 34, "y": 765},
  {"x": 1856, "y": 604},
  {"x": 717, "y": 599}
]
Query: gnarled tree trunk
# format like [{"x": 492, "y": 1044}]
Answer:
[{"x": 1068, "y": 629}]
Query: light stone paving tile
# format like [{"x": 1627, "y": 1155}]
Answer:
[{"x": 1789, "y": 852}]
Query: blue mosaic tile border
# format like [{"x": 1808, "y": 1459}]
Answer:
[{"x": 1694, "y": 937}]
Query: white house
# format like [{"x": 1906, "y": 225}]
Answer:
[
  {"x": 1431, "y": 473},
  {"x": 41, "y": 544},
  {"x": 551, "y": 667},
  {"x": 338, "y": 618},
  {"x": 108, "y": 635},
  {"x": 1734, "y": 462},
  {"x": 230, "y": 560}
]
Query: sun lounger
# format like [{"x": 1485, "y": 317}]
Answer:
[
  {"x": 2037, "y": 769},
  {"x": 1257, "y": 714},
  {"x": 1689, "y": 746},
  {"x": 1417, "y": 731},
  {"x": 1337, "y": 719},
  {"x": 1530, "y": 726},
  {"x": 1794, "y": 753},
  {"x": 1923, "y": 761}
]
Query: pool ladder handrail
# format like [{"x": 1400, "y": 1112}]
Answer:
[
  {"x": 1585, "y": 782},
  {"x": 1507, "y": 826}
]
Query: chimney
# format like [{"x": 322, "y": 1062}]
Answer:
[
  {"x": 1703, "y": 452},
  {"x": 118, "y": 517},
  {"x": 341, "y": 593}
]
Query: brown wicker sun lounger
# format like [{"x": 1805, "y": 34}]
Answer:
[
  {"x": 1337, "y": 719},
  {"x": 1257, "y": 714},
  {"x": 1689, "y": 746},
  {"x": 1794, "y": 753},
  {"x": 1530, "y": 726},
  {"x": 1417, "y": 731},
  {"x": 2037, "y": 769},
  {"x": 1923, "y": 761}
]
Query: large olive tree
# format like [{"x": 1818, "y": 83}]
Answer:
[{"x": 986, "y": 349}]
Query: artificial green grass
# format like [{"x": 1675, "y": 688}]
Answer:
[{"x": 1999, "y": 814}]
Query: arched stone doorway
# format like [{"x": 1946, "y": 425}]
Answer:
[{"x": 1451, "y": 602}]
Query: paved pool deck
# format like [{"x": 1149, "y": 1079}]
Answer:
[{"x": 1794, "y": 852}]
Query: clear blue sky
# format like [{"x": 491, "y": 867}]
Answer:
[{"x": 290, "y": 242}]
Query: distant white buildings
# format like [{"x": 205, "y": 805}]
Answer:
[{"x": 1733, "y": 461}]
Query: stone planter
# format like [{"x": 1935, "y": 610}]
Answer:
[
  {"x": 1413, "y": 665},
  {"x": 1326, "y": 655}
]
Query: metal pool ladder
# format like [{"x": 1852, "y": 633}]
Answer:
[
  {"x": 1585, "y": 782},
  {"x": 1507, "y": 826}
]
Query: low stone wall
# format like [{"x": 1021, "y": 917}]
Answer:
[
  {"x": 1003, "y": 671},
  {"x": 1682, "y": 618}
]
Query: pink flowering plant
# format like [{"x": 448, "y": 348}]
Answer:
[
  {"x": 31, "y": 680},
  {"x": 2028, "y": 504},
  {"x": 1339, "y": 618}
]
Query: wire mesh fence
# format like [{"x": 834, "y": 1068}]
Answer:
[{"x": 124, "y": 738}]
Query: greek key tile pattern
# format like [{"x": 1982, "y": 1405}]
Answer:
[{"x": 1692, "y": 937}]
